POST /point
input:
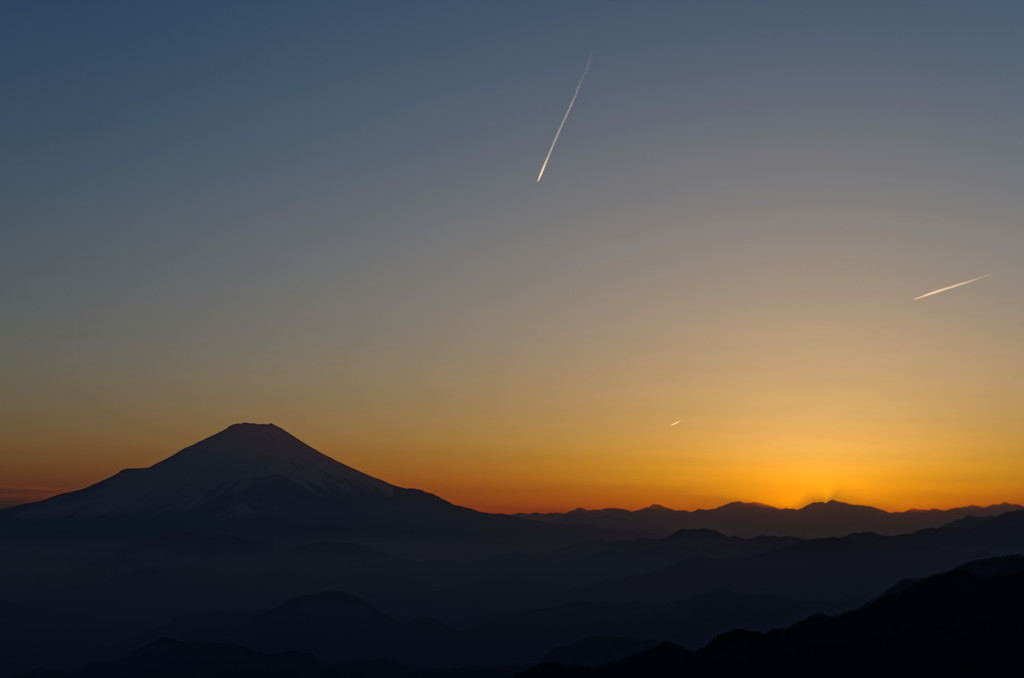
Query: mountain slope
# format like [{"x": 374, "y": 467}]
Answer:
[
  {"x": 232, "y": 463},
  {"x": 257, "y": 481},
  {"x": 962, "y": 622}
]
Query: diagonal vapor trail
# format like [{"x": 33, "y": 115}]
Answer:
[
  {"x": 966, "y": 282},
  {"x": 565, "y": 117}
]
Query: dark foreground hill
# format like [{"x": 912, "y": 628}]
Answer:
[{"x": 963, "y": 622}]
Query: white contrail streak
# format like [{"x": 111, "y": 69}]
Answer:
[
  {"x": 565, "y": 117},
  {"x": 966, "y": 282}
]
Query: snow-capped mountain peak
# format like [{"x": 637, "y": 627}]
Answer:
[
  {"x": 224, "y": 469},
  {"x": 242, "y": 453}
]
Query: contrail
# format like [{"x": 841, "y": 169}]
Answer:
[
  {"x": 565, "y": 117},
  {"x": 966, "y": 282}
]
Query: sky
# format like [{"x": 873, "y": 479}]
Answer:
[{"x": 326, "y": 216}]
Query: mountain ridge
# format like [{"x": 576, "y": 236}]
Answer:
[{"x": 751, "y": 519}]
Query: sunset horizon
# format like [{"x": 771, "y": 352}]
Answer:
[
  {"x": 538, "y": 339},
  {"x": 489, "y": 498},
  {"x": 526, "y": 258}
]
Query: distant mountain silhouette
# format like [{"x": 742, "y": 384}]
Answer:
[
  {"x": 256, "y": 481},
  {"x": 243, "y": 471},
  {"x": 259, "y": 482},
  {"x": 744, "y": 519}
]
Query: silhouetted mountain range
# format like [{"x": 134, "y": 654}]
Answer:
[
  {"x": 249, "y": 547},
  {"x": 743, "y": 519},
  {"x": 508, "y": 610}
]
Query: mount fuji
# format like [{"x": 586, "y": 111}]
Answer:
[{"x": 257, "y": 481}]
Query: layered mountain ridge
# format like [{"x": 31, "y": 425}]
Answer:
[
  {"x": 751, "y": 519},
  {"x": 252, "y": 538}
]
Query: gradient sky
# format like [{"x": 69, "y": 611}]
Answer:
[{"x": 325, "y": 215}]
